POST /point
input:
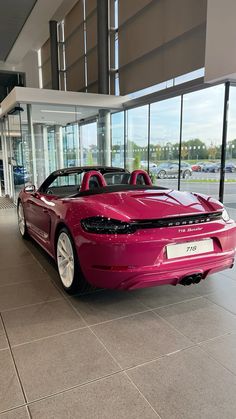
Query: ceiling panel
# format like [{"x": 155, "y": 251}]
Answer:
[{"x": 13, "y": 15}]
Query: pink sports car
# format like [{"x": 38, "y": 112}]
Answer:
[{"x": 109, "y": 228}]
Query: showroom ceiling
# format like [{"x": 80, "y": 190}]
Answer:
[{"x": 13, "y": 16}]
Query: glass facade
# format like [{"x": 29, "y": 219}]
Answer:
[
  {"x": 165, "y": 141},
  {"x": 230, "y": 167},
  {"x": 117, "y": 139},
  {"x": 176, "y": 139},
  {"x": 202, "y": 125},
  {"x": 137, "y": 138}
]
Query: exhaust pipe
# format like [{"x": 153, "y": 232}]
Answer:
[{"x": 191, "y": 279}]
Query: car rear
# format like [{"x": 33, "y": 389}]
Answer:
[{"x": 151, "y": 238}]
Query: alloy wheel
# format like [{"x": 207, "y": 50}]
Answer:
[
  {"x": 21, "y": 219},
  {"x": 65, "y": 259}
]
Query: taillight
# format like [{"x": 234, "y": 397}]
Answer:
[{"x": 102, "y": 225}]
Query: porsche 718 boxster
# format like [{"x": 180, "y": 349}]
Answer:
[{"x": 108, "y": 228}]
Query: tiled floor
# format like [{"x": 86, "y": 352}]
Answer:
[{"x": 167, "y": 352}]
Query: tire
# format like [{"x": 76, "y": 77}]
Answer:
[
  {"x": 161, "y": 174},
  {"x": 70, "y": 273},
  {"x": 21, "y": 221},
  {"x": 186, "y": 174}
]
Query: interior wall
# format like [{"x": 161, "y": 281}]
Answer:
[
  {"x": 29, "y": 66},
  {"x": 220, "y": 58}
]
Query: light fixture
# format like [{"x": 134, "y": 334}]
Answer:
[{"x": 54, "y": 111}]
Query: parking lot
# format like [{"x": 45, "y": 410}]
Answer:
[{"x": 206, "y": 183}]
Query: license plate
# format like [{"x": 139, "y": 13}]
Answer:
[{"x": 189, "y": 248}]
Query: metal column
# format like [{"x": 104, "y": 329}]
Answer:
[
  {"x": 103, "y": 55},
  {"x": 54, "y": 54},
  {"x": 224, "y": 141}
]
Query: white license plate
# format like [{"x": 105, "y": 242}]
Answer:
[{"x": 189, "y": 248}]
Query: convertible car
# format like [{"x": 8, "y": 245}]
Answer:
[{"x": 106, "y": 227}]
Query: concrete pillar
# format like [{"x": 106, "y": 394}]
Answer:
[
  {"x": 102, "y": 36},
  {"x": 104, "y": 137},
  {"x": 59, "y": 146},
  {"x": 32, "y": 144},
  {"x": 54, "y": 54}
]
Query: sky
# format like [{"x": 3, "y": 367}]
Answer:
[{"x": 202, "y": 118}]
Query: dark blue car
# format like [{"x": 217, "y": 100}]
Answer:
[{"x": 19, "y": 173}]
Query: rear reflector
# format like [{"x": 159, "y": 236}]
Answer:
[{"x": 112, "y": 268}]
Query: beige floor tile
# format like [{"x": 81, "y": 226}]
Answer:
[
  {"x": 223, "y": 349},
  {"x": 165, "y": 294},
  {"x": 14, "y": 255},
  {"x": 20, "y": 413},
  {"x": 61, "y": 362},
  {"x": 226, "y": 298},
  {"x": 22, "y": 273},
  {"x": 10, "y": 391},
  {"x": 215, "y": 283},
  {"x": 187, "y": 385},
  {"x": 199, "y": 319},
  {"x": 3, "y": 339},
  {"x": 40, "y": 320},
  {"x": 106, "y": 305},
  {"x": 139, "y": 338},
  {"x": 25, "y": 293},
  {"x": 114, "y": 397}
]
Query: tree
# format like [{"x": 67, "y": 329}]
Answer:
[
  {"x": 137, "y": 161},
  {"x": 90, "y": 158}
]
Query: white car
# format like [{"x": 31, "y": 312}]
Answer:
[{"x": 144, "y": 165}]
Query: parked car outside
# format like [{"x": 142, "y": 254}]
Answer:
[
  {"x": 197, "y": 167},
  {"x": 211, "y": 168},
  {"x": 171, "y": 169},
  {"x": 144, "y": 165},
  {"x": 230, "y": 167}
]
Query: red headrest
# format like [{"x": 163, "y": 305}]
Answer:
[
  {"x": 87, "y": 177},
  {"x": 136, "y": 173}
]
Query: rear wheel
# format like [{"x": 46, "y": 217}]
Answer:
[
  {"x": 69, "y": 270},
  {"x": 186, "y": 174},
  {"x": 21, "y": 220},
  {"x": 162, "y": 174}
]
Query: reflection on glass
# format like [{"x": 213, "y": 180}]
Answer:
[
  {"x": 164, "y": 142},
  {"x": 230, "y": 165},
  {"x": 201, "y": 139},
  {"x": 17, "y": 172},
  {"x": 117, "y": 135},
  {"x": 137, "y": 138}
]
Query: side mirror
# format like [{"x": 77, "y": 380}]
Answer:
[{"x": 30, "y": 189}]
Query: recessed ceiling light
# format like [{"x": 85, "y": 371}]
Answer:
[{"x": 55, "y": 111}]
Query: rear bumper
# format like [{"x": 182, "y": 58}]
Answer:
[
  {"x": 140, "y": 260},
  {"x": 131, "y": 279}
]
